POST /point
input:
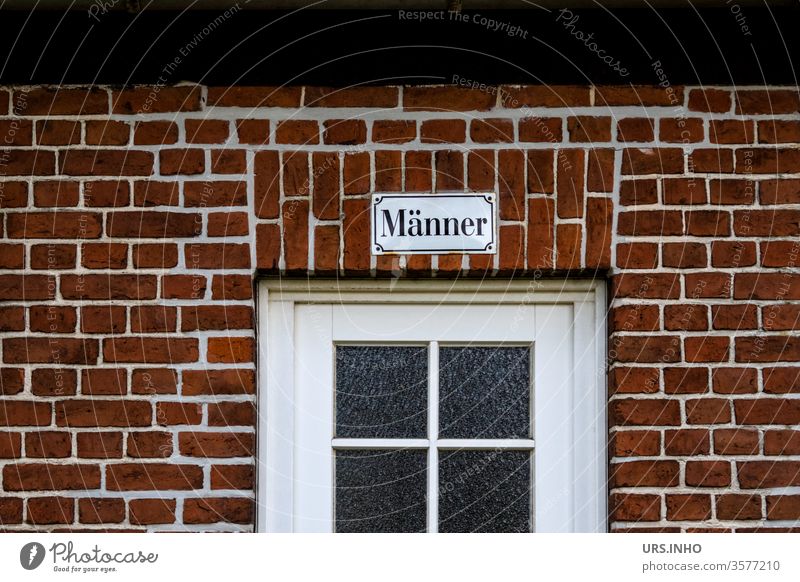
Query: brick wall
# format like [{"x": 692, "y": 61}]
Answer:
[{"x": 135, "y": 220}]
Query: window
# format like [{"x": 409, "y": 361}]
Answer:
[{"x": 472, "y": 407}]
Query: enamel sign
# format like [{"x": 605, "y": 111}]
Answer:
[{"x": 434, "y": 224}]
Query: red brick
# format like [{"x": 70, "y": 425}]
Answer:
[
  {"x": 180, "y": 161},
  {"x": 708, "y": 223},
  {"x": 153, "y": 477},
  {"x": 155, "y": 256},
  {"x": 345, "y": 131},
  {"x": 50, "y": 477},
  {"x": 637, "y": 192},
  {"x": 375, "y": 97},
  {"x": 231, "y": 414},
  {"x": 765, "y": 474},
  {"x": 642, "y": 95},
  {"x": 650, "y": 223},
  {"x": 731, "y": 131},
  {"x": 104, "y": 381},
  {"x": 58, "y": 132},
  {"x": 100, "y": 445},
  {"x": 230, "y": 510},
  {"x": 710, "y": 100},
  {"x": 540, "y": 171},
  {"x": 541, "y": 243},
  {"x": 780, "y": 253},
  {"x": 61, "y": 224},
  {"x": 243, "y": 96},
  {"x": 635, "y": 129},
  {"x": 153, "y": 224},
  {"x": 600, "y": 171},
  {"x": 106, "y": 163},
  {"x": 34, "y": 350},
  {"x": 230, "y": 350},
  {"x": 51, "y": 194},
  {"x": 637, "y": 255},
  {"x": 50, "y": 510},
  {"x": 107, "y": 132},
  {"x": 568, "y": 239},
  {"x": 54, "y": 382},
  {"x": 215, "y": 193},
  {"x": 155, "y": 133},
  {"x": 356, "y": 236},
  {"x": 206, "y": 317},
  {"x": 645, "y": 474},
  {"x": 685, "y": 255},
  {"x": 232, "y": 477},
  {"x": 767, "y": 102},
  {"x": 101, "y": 510},
  {"x": 779, "y": 131},
  {"x": 228, "y": 161},
  {"x": 268, "y": 246},
  {"x": 295, "y": 131},
  {"x": 392, "y": 131},
  {"x": 447, "y": 98},
  {"x": 540, "y": 130},
  {"x": 738, "y": 507},
  {"x": 511, "y": 182},
  {"x": 232, "y": 287},
  {"x": 104, "y": 255},
  {"x": 231, "y": 381},
  {"x": 149, "y": 444},
  {"x": 156, "y": 193},
  {"x": 732, "y": 191},
  {"x": 691, "y": 507},
  {"x": 216, "y": 444},
  {"x": 708, "y": 474},
  {"x": 692, "y": 380},
  {"x": 147, "y": 100},
  {"x": 178, "y": 413},
  {"x": 652, "y": 161},
  {"x": 492, "y": 130},
  {"x": 154, "y": 381},
  {"x": 10, "y": 446},
  {"x": 225, "y": 224},
  {"x": 649, "y": 412},
  {"x": 217, "y": 256},
  {"x": 768, "y": 349},
  {"x": 646, "y": 286},
  {"x": 326, "y": 185},
  {"x": 706, "y": 349},
  {"x": 61, "y": 101},
  {"x": 687, "y": 442},
  {"x": 206, "y": 130},
  {"x": 735, "y": 380},
  {"x": 767, "y": 411},
  {"x": 419, "y": 172},
  {"x": 733, "y": 254},
  {"x": 545, "y": 96},
  {"x": 635, "y": 318},
  {"x": 151, "y": 511},
  {"x": 108, "y": 286},
  {"x": 150, "y": 350},
  {"x": 708, "y": 411},
  {"x": 635, "y": 507},
  {"x": 28, "y": 162},
  {"x": 94, "y": 412},
  {"x": 735, "y": 441},
  {"x": 636, "y": 443},
  {"x": 571, "y": 185},
  {"x": 52, "y": 319},
  {"x": 103, "y": 319},
  {"x": 48, "y": 444},
  {"x": 586, "y": 128}
]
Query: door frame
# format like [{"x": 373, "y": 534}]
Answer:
[{"x": 276, "y": 300}]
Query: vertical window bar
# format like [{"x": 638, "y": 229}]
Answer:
[{"x": 433, "y": 435}]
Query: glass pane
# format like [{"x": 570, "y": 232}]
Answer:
[
  {"x": 381, "y": 392},
  {"x": 484, "y": 392},
  {"x": 381, "y": 491},
  {"x": 485, "y": 491}
]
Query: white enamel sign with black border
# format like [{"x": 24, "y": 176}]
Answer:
[{"x": 434, "y": 224}]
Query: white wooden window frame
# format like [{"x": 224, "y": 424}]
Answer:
[{"x": 574, "y": 501}]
